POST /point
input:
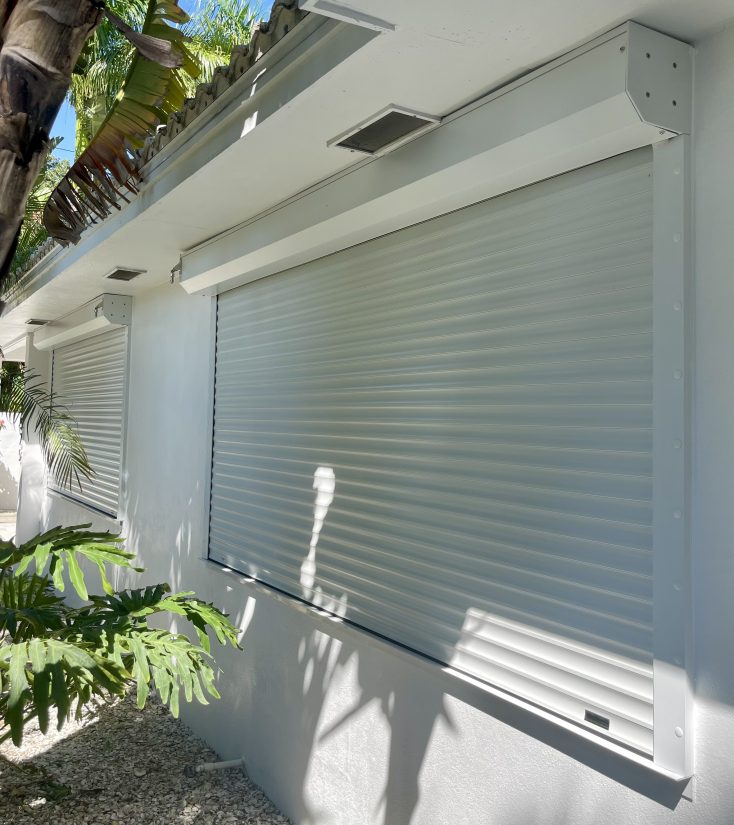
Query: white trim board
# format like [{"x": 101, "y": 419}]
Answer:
[
  {"x": 673, "y": 732},
  {"x": 586, "y": 106}
]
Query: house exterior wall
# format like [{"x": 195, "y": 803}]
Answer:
[
  {"x": 9, "y": 461},
  {"x": 342, "y": 729}
]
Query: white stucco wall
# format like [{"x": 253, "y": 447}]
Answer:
[
  {"x": 9, "y": 461},
  {"x": 341, "y": 729}
]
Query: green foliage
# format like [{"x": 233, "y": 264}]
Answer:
[
  {"x": 58, "y": 657},
  {"x": 60, "y": 548},
  {"x": 32, "y": 231},
  {"x": 101, "y": 70},
  {"x": 213, "y": 29},
  {"x": 106, "y": 170},
  {"x": 118, "y": 97},
  {"x": 24, "y": 394},
  {"x": 10, "y": 372},
  {"x": 28, "y": 606}
]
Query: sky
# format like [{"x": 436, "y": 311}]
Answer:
[
  {"x": 65, "y": 121},
  {"x": 64, "y": 128}
]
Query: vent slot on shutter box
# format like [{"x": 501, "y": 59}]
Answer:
[{"x": 384, "y": 131}]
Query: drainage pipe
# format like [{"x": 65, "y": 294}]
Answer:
[{"x": 207, "y": 767}]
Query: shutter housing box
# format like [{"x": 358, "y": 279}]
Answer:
[{"x": 103, "y": 313}]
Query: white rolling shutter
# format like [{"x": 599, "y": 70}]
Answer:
[
  {"x": 89, "y": 378},
  {"x": 445, "y": 436}
]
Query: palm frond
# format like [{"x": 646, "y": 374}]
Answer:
[
  {"x": 214, "y": 28},
  {"x": 61, "y": 445},
  {"x": 32, "y": 231},
  {"x": 106, "y": 170}
]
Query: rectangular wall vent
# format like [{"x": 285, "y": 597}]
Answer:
[
  {"x": 384, "y": 131},
  {"x": 120, "y": 274},
  {"x": 36, "y": 322}
]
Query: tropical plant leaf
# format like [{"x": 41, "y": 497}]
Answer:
[
  {"x": 168, "y": 661},
  {"x": 63, "y": 451},
  {"x": 28, "y": 607},
  {"x": 53, "y": 656},
  {"x": 131, "y": 606},
  {"x": 213, "y": 29},
  {"x": 44, "y": 673},
  {"x": 60, "y": 547},
  {"x": 157, "y": 49},
  {"x": 203, "y": 616},
  {"x": 107, "y": 170},
  {"x": 32, "y": 231}
]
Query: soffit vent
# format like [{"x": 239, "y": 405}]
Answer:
[
  {"x": 120, "y": 274},
  {"x": 384, "y": 131},
  {"x": 35, "y": 322}
]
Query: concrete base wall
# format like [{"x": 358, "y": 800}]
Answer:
[{"x": 341, "y": 729}]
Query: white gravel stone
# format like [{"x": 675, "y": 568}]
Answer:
[{"x": 122, "y": 766}]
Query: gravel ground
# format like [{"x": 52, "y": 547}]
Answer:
[
  {"x": 7, "y": 524},
  {"x": 122, "y": 766}
]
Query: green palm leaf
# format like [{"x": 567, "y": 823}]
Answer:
[
  {"x": 214, "y": 28},
  {"x": 32, "y": 231},
  {"x": 106, "y": 170},
  {"x": 26, "y": 396}
]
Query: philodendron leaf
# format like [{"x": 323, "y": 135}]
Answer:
[
  {"x": 141, "y": 671},
  {"x": 57, "y": 571},
  {"x": 62, "y": 547},
  {"x": 49, "y": 672},
  {"x": 57, "y": 657},
  {"x": 41, "y": 682},
  {"x": 18, "y": 690},
  {"x": 75, "y": 574}
]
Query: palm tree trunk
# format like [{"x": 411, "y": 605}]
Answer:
[{"x": 40, "y": 43}]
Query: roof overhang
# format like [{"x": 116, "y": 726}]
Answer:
[{"x": 263, "y": 143}]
